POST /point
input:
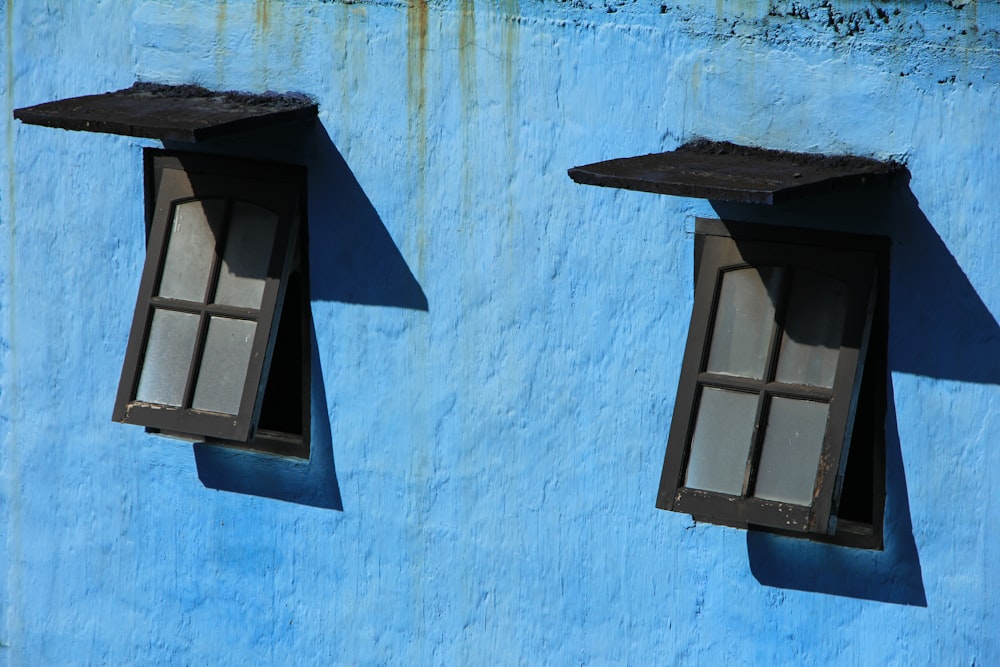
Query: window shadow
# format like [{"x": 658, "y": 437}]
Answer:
[
  {"x": 940, "y": 328},
  {"x": 352, "y": 259},
  {"x": 305, "y": 482},
  {"x": 891, "y": 575}
]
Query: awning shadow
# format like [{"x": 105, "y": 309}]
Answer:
[
  {"x": 353, "y": 258},
  {"x": 939, "y": 326}
]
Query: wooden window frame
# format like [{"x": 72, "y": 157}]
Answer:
[
  {"x": 174, "y": 177},
  {"x": 861, "y": 262}
]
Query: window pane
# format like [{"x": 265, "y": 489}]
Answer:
[
  {"x": 721, "y": 443},
  {"x": 743, "y": 323},
  {"x": 190, "y": 249},
  {"x": 168, "y": 357},
  {"x": 814, "y": 326},
  {"x": 789, "y": 457},
  {"x": 247, "y": 255},
  {"x": 224, "y": 365}
]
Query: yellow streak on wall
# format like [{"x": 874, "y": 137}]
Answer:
[
  {"x": 416, "y": 85},
  {"x": 262, "y": 14},
  {"x": 221, "y": 53},
  {"x": 467, "y": 75}
]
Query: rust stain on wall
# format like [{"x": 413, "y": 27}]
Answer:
[
  {"x": 221, "y": 14},
  {"x": 416, "y": 72},
  {"x": 349, "y": 56},
  {"x": 221, "y": 11},
  {"x": 510, "y": 15},
  {"x": 467, "y": 75},
  {"x": 262, "y": 14},
  {"x": 416, "y": 88},
  {"x": 467, "y": 50}
]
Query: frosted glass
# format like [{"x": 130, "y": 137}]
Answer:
[
  {"x": 247, "y": 255},
  {"x": 814, "y": 326},
  {"x": 168, "y": 357},
  {"x": 789, "y": 457},
  {"x": 721, "y": 443},
  {"x": 224, "y": 365},
  {"x": 743, "y": 323},
  {"x": 190, "y": 249}
]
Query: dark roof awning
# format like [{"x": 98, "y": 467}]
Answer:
[
  {"x": 180, "y": 113},
  {"x": 729, "y": 172}
]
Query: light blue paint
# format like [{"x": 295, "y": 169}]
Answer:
[{"x": 498, "y": 347}]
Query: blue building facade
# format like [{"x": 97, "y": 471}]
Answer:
[{"x": 495, "y": 349}]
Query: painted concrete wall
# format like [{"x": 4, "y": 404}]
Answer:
[{"x": 496, "y": 348}]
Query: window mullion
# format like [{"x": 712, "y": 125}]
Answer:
[
  {"x": 763, "y": 400},
  {"x": 213, "y": 280}
]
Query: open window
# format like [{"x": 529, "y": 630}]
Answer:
[
  {"x": 219, "y": 348},
  {"x": 779, "y": 417}
]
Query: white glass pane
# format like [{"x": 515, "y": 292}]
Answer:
[
  {"x": 721, "y": 443},
  {"x": 789, "y": 457},
  {"x": 168, "y": 357},
  {"x": 814, "y": 326},
  {"x": 224, "y": 365},
  {"x": 743, "y": 323},
  {"x": 190, "y": 249},
  {"x": 247, "y": 255}
]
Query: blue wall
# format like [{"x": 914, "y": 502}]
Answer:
[{"x": 496, "y": 348}]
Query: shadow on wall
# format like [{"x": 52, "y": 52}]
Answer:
[
  {"x": 352, "y": 259},
  {"x": 351, "y": 255},
  {"x": 939, "y": 327},
  {"x": 312, "y": 482},
  {"x": 892, "y": 575}
]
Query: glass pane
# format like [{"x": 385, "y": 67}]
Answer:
[
  {"x": 168, "y": 357},
  {"x": 789, "y": 457},
  {"x": 814, "y": 326},
  {"x": 224, "y": 365},
  {"x": 743, "y": 323},
  {"x": 190, "y": 249},
  {"x": 721, "y": 443},
  {"x": 247, "y": 255}
]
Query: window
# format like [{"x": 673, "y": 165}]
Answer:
[
  {"x": 778, "y": 422},
  {"x": 222, "y": 301}
]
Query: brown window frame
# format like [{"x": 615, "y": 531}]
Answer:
[
  {"x": 172, "y": 178},
  {"x": 861, "y": 262}
]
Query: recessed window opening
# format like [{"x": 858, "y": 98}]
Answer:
[
  {"x": 218, "y": 347},
  {"x": 778, "y": 422}
]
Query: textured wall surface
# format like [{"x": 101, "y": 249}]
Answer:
[{"x": 496, "y": 348}]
